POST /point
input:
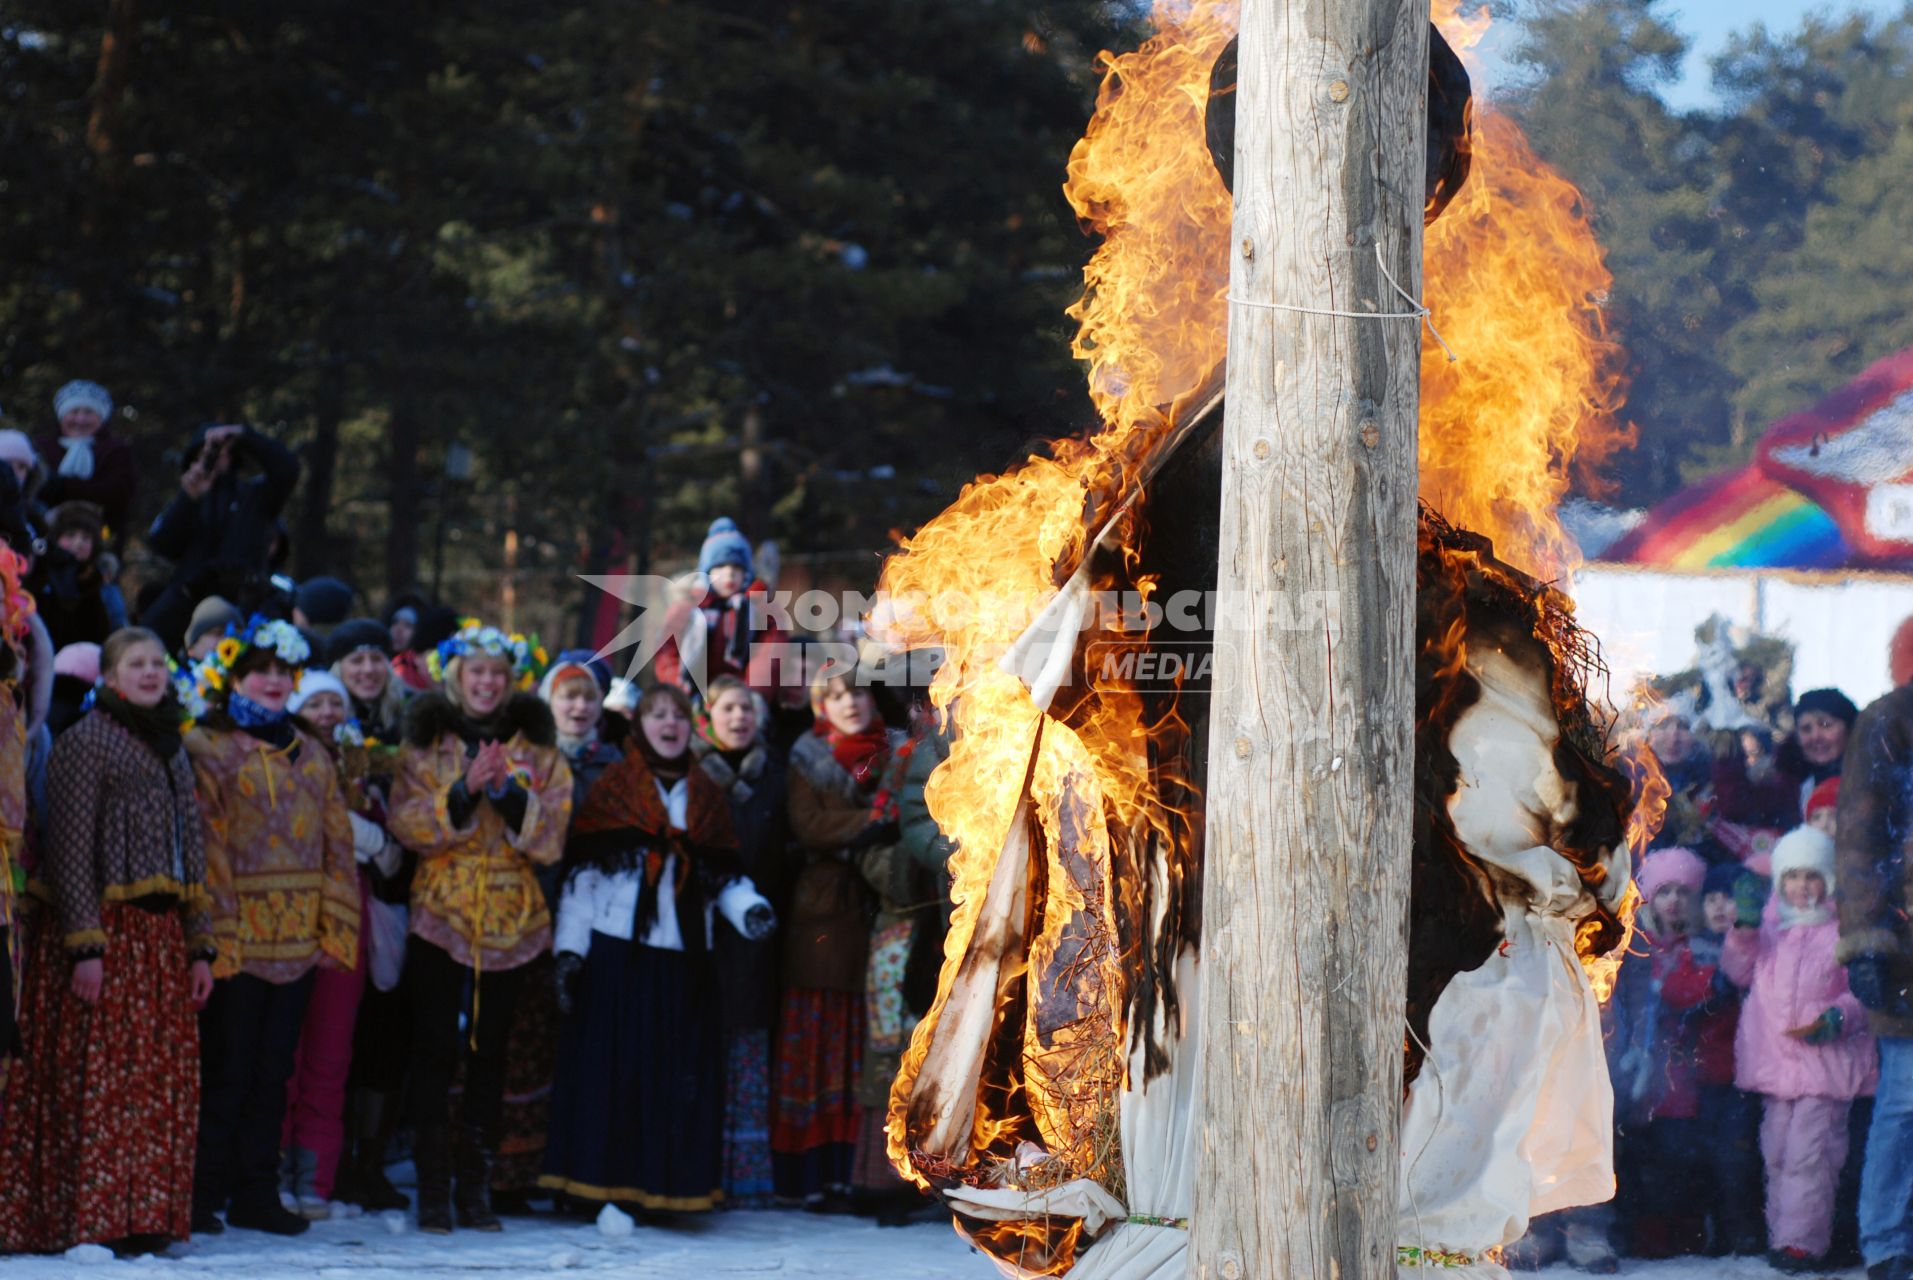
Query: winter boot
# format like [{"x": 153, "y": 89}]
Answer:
[
  {"x": 263, "y": 1212},
  {"x": 475, "y": 1156},
  {"x": 206, "y": 1217},
  {"x": 362, "y": 1179},
  {"x": 306, "y": 1200},
  {"x": 432, "y": 1154}
]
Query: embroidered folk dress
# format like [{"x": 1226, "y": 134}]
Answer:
[
  {"x": 102, "y": 1112},
  {"x": 476, "y": 895},
  {"x": 276, "y": 909}
]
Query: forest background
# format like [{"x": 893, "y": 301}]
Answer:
[{"x": 538, "y": 288}]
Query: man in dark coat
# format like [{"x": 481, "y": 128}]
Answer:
[
  {"x": 219, "y": 528},
  {"x": 1874, "y": 877}
]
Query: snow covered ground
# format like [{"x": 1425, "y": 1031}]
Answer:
[{"x": 704, "y": 1248}]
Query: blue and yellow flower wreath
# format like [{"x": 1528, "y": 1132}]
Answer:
[
  {"x": 213, "y": 673},
  {"x": 527, "y": 657}
]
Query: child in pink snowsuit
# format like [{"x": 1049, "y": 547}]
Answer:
[{"x": 1802, "y": 1043}]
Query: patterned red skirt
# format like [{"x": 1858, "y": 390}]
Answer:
[
  {"x": 819, "y": 1055},
  {"x": 102, "y": 1112}
]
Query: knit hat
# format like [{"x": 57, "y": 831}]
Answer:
[
  {"x": 1722, "y": 877},
  {"x": 1828, "y": 702},
  {"x": 1824, "y": 796},
  {"x": 1805, "y": 849},
  {"x": 325, "y": 602},
  {"x": 351, "y": 636},
  {"x": 1671, "y": 866},
  {"x": 76, "y": 515},
  {"x": 80, "y": 394},
  {"x": 723, "y": 545},
  {"x": 15, "y": 447},
  {"x": 575, "y": 662},
  {"x": 214, "y": 613},
  {"x": 435, "y": 626},
  {"x": 81, "y": 660},
  {"x": 313, "y": 682}
]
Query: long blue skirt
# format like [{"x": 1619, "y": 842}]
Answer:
[{"x": 637, "y": 1105}]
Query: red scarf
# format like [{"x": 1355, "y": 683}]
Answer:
[{"x": 862, "y": 755}]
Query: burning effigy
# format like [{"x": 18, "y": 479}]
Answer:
[{"x": 1049, "y": 1095}]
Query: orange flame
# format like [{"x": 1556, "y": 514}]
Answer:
[
  {"x": 1515, "y": 280},
  {"x": 1154, "y": 313}
]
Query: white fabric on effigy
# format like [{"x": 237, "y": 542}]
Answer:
[
  {"x": 1512, "y": 1113},
  {"x": 1159, "y": 1122}
]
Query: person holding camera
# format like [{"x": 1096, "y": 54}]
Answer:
[{"x": 218, "y": 530}]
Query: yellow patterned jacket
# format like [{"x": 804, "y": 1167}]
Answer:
[
  {"x": 476, "y": 890},
  {"x": 279, "y": 863}
]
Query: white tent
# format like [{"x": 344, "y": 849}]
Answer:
[{"x": 1839, "y": 623}]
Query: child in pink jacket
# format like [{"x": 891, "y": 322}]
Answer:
[{"x": 1802, "y": 1043}]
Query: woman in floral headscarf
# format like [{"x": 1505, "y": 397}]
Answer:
[
  {"x": 285, "y": 895},
  {"x": 482, "y": 797}
]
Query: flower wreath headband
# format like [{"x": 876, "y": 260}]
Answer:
[
  {"x": 527, "y": 657},
  {"x": 212, "y": 673}
]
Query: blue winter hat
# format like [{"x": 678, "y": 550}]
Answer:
[
  {"x": 1723, "y": 877},
  {"x": 724, "y": 545},
  {"x": 574, "y": 660}
]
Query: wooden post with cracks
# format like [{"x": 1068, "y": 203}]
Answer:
[{"x": 1305, "y": 903}]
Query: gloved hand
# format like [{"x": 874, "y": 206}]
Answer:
[
  {"x": 759, "y": 921},
  {"x": 368, "y": 839},
  {"x": 1750, "y": 899},
  {"x": 566, "y": 974},
  {"x": 877, "y": 833},
  {"x": 1867, "y": 977},
  {"x": 1824, "y": 1029}
]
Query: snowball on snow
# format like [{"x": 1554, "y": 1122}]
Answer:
[
  {"x": 614, "y": 1223},
  {"x": 90, "y": 1254},
  {"x": 394, "y": 1221}
]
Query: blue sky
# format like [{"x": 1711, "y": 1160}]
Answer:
[{"x": 1710, "y": 22}]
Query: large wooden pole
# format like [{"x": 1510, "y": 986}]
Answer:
[{"x": 1305, "y": 920}]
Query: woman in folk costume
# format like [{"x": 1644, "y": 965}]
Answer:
[
  {"x": 574, "y": 689},
  {"x": 905, "y": 948},
  {"x": 103, "y": 1110},
  {"x": 314, "y": 1134},
  {"x": 638, "y": 1105},
  {"x": 359, "y": 653},
  {"x": 836, "y": 774},
  {"x": 16, "y": 618},
  {"x": 737, "y": 757},
  {"x": 482, "y": 798},
  {"x": 285, "y": 889}
]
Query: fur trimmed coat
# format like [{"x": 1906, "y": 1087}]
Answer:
[
  {"x": 827, "y": 939},
  {"x": 475, "y": 894}
]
